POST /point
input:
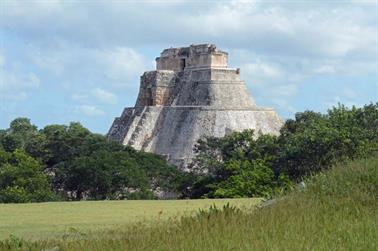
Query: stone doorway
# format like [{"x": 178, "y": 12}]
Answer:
[
  {"x": 182, "y": 64},
  {"x": 149, "y": 98}
]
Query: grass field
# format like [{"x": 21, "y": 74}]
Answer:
[
  {"x": 46, "y": 220},
  {"x": 337, "y": 210}
]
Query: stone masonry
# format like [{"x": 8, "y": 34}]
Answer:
[{"x": 191, "y": 94}]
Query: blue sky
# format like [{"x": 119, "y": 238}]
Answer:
[{"x": 63, "y": 61}]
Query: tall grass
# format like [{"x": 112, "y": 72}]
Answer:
[
  {"x": 53, "y": 219},
  {"x": 337, "y": 210}
]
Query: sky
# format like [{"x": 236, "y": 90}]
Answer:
[{"x": 63, "y": 61}]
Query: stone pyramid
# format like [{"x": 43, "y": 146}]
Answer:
[{"x": 191, "y": 94}]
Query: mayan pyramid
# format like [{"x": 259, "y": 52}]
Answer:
[{"x": 191, "y": 94}]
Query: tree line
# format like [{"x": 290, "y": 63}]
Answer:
[
  {"x": 61, "y": 162},
  {"x": 248, "y": 164}
]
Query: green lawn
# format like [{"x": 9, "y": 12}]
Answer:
[
  {"x": 336, "y": 210},
  {"x": 46, "y": 220}
]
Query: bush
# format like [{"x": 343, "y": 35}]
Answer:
[
  {"x": 238, "y": 166},
  {"x": 14, "y": 194},
  {"x": 22, "y": 179},
  {"x": 247, "y": 179},
  {"x": 313, "y": 142}
]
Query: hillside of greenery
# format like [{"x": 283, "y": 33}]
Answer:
[
  {"x": 60, "y": 162},
  {"x": 335, "y": 210}
]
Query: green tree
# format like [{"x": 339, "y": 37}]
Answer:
[
  {"x": 313, "y": 142},
  {"x": 22, "y": 179},
  {"x": 237, "y": 165},
  {"x": 84, "y": 165},
  {"x": 307, "y": 144},
  {"x": 2, "y": 135},
  {"x": 103, "y": 175},
  {"x": 11, "y": 142},
  {"x": 247, "y": 179},
  {"x": 64, "y": 142},
  {"x": 18, "y": 135},
  {"x": 22, "y": 126}
]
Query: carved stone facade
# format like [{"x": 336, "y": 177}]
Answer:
[
  {"x": 192, "y": 94},
  {"x": 193, "y": 57},
  {"x": 156, "y": 88}
]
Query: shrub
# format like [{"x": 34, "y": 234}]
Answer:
[{"x": 22, "y": 179}]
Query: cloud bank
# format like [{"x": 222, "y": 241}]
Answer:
[{"x": 91, "y": 54}]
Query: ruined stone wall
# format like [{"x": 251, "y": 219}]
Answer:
[
  {"x": 196, "y": 56},
  {"x": 155, "y": 88},
  {"x": 219, "y": 60},
  {"x": 205, "y": 60},
  {"x": 174, "y": 59},
  {"x": 175, "y": 63}
]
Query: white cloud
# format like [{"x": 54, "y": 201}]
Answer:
[
  {"x": 324, "y": 69},
  {"x": 262, "y": 70},
  {"x": 349, "y": 93},
  {"x": 284, "y": 91},
  {"x": 339, "y": 33},
  {"x": 283, "y": 104},
  {"x": 104, "y": 96},
  {"x": 89, "y": 110},
  {"x": 271, "y": 80},
  {"x": 15, "y": 83},
  {"x": 120, "y": 64},
  {"x": 334, "y": 101},
  {"x": 310, "y": 28},
  {"x": 116, "y": 66},
  {"x": 54, "y": 61},
  {"x": 278, "y": 45},
  {"x": 79, "y": 97}
]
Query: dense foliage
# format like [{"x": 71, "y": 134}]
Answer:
[
  {"x": 239, "y": 165},
  {"x": 71, "y": 163},
  {"x": 313, "y": 141},
  {"x": 22, "y": 179}
]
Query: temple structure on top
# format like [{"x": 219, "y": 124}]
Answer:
[
  {"x": 193, "y": 57},
  {"x": 191, "y": 94}
]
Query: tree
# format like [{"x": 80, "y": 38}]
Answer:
[
  {"x": 84, "y": 165},
  {"x": 22, "y": 179},
  {"x": 22, "y": 126},
  {"x": 2, "y": 135},
  {"x": 36, "y": 146},
  {"x": 312, "y": 142},
  {"x": 11, "y": 142},
  {"x": 102, "y": 175},
  {"x": 246, "y": 179},
  {"x": 62, "y": 143},
  {"x": 307, "y": 144},
  {"x": 237, "y": 165},
  {"x": 18, "y": 134}
]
